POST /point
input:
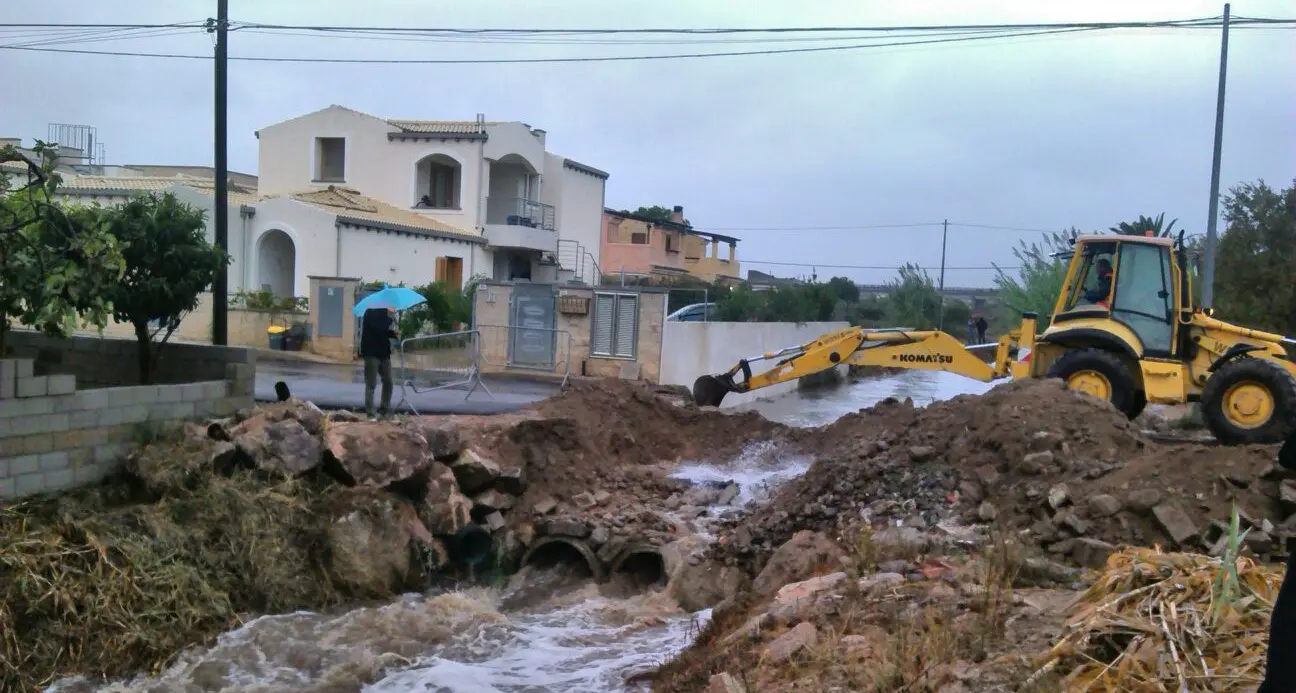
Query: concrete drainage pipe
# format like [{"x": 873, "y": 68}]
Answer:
[
  {"x": 549, "y": 552},
  {"x": 644, "y": 566},
  {"x": 470, "y": 545}
]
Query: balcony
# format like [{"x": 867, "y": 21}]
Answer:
[{"x": 516, "y": 222}]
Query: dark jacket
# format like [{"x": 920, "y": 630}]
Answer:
[
  {"x": 1280, "y": 669},
  {"x": 376, "y": 330}
]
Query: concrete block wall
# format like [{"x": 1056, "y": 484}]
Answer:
[{"x": 57, "y": 432}]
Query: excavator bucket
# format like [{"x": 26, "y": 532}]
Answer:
[{"x": 709, "y": 391}]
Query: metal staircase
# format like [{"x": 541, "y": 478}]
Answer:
[{"x": 576, "y": 264}]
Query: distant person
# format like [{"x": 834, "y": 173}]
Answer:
[
  {"x": 1099, "y": 294},
  {"x": 971, "y": 331},
  {"x": 981, "y": 327},
  {"x": 377, "y": 329},
  {"x": 1280, "y": 669}
]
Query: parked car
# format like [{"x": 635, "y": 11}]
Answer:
[{"x": 696, "y": 312}]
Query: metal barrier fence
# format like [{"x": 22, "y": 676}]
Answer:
[
  {"x": 514, "y": 347},
  {"x": 440, "y": 362}
]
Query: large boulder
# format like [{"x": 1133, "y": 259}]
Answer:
[
  {"x": 370, "y": 542},
  {"x": 375, "y": 453},
  {"x": 474, "y": 472},
  {"x": 310, "y": 416},
  {"x": 443, "y": 508},
  {"x": 285, "y": 446},
  {"x": 806, "y": 555},
  {"x": 694, "y": 581},
  {"x": 442, "y": 436}
]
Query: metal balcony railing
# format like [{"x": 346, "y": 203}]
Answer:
[{"x": 519, "y": 211}]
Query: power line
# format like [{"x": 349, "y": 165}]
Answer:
[
  {"x": 891, "y": 268},
  {"x": 879, "y": 227},
  {"x": 574, "y": 59}
]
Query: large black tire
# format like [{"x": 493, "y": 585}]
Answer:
[
  {"x": 1226, "y": 417},
  {"x": 1122, "y": 391}
]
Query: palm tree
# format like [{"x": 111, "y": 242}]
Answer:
[{"x": 1145, "y": 224}]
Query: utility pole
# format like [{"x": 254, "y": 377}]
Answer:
[
  {"x": 940, "y": 310},
  {"x": 220, "y": 289},
  {"x": 1212, "y": 221}
]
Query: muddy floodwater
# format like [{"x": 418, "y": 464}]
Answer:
[{"x": 540, "y": 633}]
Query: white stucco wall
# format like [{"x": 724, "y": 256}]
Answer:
[
  {"x": 693, "y": 349},
  {"x": 580, "y": 212},
  {"x": 396, "y": 258},
  {"x": 237, "y": 229}
]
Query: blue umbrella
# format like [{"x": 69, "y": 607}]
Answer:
[{"x": 392, "y": 297}]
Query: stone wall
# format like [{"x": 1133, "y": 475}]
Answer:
[{"x": 70, "y": 409}]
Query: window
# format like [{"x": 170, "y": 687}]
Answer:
[
  {"x": 330, "y": 159},
  {"x": 1091, "y": 288},
  {"x": 1143, "y": 293},
  {"x": 441, "y": 193},
  {"x": 615, "y": 325},
  {"x": 639, "y": 238}
]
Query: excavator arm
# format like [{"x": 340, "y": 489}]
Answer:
[{"x": 891, "y": 348}]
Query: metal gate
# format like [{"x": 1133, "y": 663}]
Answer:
[{"x": 532, "y": 338}]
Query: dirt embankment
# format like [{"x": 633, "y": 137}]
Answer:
[
  {"x": 285, "y": 507},
  {"x": 1030, "y": 455}
]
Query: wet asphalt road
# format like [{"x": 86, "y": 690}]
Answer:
[{"x": 341, "y": 386}]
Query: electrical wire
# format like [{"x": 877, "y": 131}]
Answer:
[{"x": 891, "y": 268}]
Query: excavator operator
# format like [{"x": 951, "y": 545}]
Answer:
[{"x": 1100, "y": 293}]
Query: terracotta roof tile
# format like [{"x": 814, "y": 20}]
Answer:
[
  {"x": 438, "y": 127},
  {"x": 347, "y": 202},
  {"x": 73, "y": 184}
]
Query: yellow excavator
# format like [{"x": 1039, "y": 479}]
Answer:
[{"x": 1124, "y": 329}]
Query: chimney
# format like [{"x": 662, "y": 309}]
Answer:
[
  {"x": 677, "y": 214},
  {"x": 539, "y": 134}
]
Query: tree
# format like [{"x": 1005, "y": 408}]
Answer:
[
  {"x": 1256, "y": 258},
  {"x": 54, "y": 266},
  {"x": 1144, "y": 224},
  {"x": 1039, "y": 280},
  {"x": 658, "y": 213},
  {"x": 844, "y": 289},
  {"x": 912, "y": 299},
  {"x": 168, "y": 263}
]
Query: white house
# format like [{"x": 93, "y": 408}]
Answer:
[{"x": 539, "y": 214}]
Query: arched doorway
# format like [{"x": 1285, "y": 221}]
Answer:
[{"x": 276, "y": 263}]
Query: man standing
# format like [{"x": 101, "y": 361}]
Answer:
[
  {"x": 981, "y": 327},
  {"x": 377, "y": 329}
]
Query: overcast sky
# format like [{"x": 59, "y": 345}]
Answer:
[{"x": 1038, "y": 133}]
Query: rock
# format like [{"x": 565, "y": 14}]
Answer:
[
  {"x": 525, "y": 533},
  {"x": 899, "y": 542},
  {"x": 1068, "y": 519},
  {"x": 374, "y": 453},
  {"x": 1062, "y": 547},
  {"x": 369, "y": 542},
  {"x": 311, "y": 417},
  {"x": 901, "y": 567},
  {"x": 283, "y": 446},
  {"x": 1103, "y": 505},
  {"x": 921, "y": 453},
  {"x": 442, "y": 436},
  {"x": 1035, "y": 462},
  {"x": 584, "y": 500},
  {"x": 1058, "y": 496},
  {"x": 986, "y": 512},
  {"x": 567, "y": 527},
  {"x": 1287, "y": 495},
  {"x": 728, "y": 493},
  {"x": 784, "y": 646},
  {"x": 970, "y": 491},
  {"x": 794, "y": 602},
  {"x": 443, "y": 508},
  {"x": 600, "y": 536},
  {"x": 701, "y": 495},
  {"x": 704, "y": 584},
  {"x": 495, "y": 521},
  {"x": 880, "y": 581},
  {"x": 1143, "y": 500},
  {"x": 1092, "y": 553},
  {"x": 512, "y": 480},
  {"x": 988, "y": 476},
  {"x": 1046, "y": 440},
  {"x": 602, "y": 497},
  {"x": 491, "y": 500},
  {"x": 1174, "y": 522},
  {"x": 474, "y": 472},
  {"x": 725, "y": 683},
  {"x": 1259, "y": 542},
  {"x": 544, "y": 506},
  {"x": 797, "y": 559},
  {"x": 344, "y": 416}
]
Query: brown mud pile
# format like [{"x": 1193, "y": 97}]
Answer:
[
  {"x": 284, "y": 507},
  {"x": 1028, "y": 454}
]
